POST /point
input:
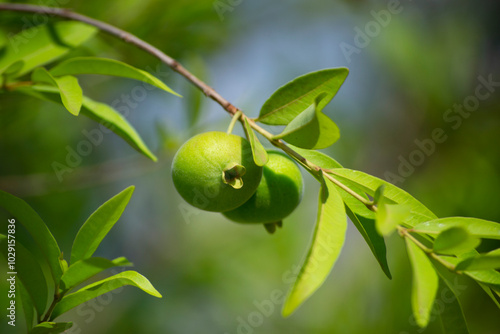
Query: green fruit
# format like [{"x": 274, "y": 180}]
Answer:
[
  {"x": 278, "y": 194},
  {"x": 215, "y": 171}
]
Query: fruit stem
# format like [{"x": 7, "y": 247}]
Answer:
[
  {"x": 127, "y": 37},
  {"x": 233, "y": 121}
]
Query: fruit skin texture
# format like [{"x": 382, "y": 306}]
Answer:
[
  {"x": 198, "y": 171},
  {"x": 278, "y": 194}
]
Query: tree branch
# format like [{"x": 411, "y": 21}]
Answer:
[{"x": 177, "y": 67}]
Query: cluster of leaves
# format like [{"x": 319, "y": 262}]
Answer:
[
  {"x": 39, "y": 276},
  {"x": 21, "y": 59},
  {"x": 437, "y": 248}
]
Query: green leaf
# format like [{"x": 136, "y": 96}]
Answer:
[
  {"x": 101, "y": 287},
  {"x": 317, "y": 158},
  {"x": 69, "y": 89},
  {"x": 98, "y": 225},
  {"x": 27, "y": 304},
  {"x": 377, "y": 197},
  {"x": 104, "y": 66},
  {"x": 490, "y": 293},
  {"x": 424, "y": 285},
  {"x": 451, "y": 313},
  {"x": 82, "y": 270},
  {"x": 328, "y": 239},
  {"x": 480, "y": 262},
  {"x": 369, "y": 184},
  {"x": 36, "y": 228},
  {"x": 477, "y": 227},
  {"x": 51, "y": 327},
  {"x": 258, "y": 151},
  {"x": 297, "y": 95},
  {"x": 29, "y": 272},
  {"x": 364, "y": 220},
  {"x": 43, "y": 44},
  {"x": 99, "y": 112},
  {"x": 455, "y": 240},
  {"x": 389, "y": 216},
  {"x": 311, "y": 129}
]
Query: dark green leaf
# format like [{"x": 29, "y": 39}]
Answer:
[
  {"x": 104, "y": 66},
  {"x": 311, "y": 129},
  {"x": 99, "y": 112},
  {"x": 69, "y": 89},
  {"x": 477, "y": 227},
  {"x": 455, "y": 240},
  {"x": 25, "y": 215},
  {"x": 369, "y": 184},
  {"x": 258, "y": 151},
  {"x": 424, "y": 285},
  {"x": 27, "y": 304},
  {"x": 51, "y": 327},
  {"x": 101, "y": 287},
  {"x": 451, "y": 315},
  {"x": 490, "y": 293},
  {"x": 98, "y": 225},
  {"x": 328, "y": 239},
  {"x": 43, "y": 44},
  {"x": 297, "y": 95},
  {"x": 29, "y": 272},
  {"x": 82, "y": 270}
]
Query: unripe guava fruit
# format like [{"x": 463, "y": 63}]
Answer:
[
  {"x": 215, "y": 171},
  {"x": 278, "y": 194}
]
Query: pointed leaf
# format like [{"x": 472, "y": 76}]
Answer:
[
  {"x": 82, "y": 270},
  {"x": 424, "y": 285},
  {"x": 490, "y": 293},
  {"x": 377, "y": 197},
  {"x": 328, "y": 239},
  {"x": 477, "y": 227},
  {"x": 369, "y": 184},
  {"x": 98, "y": 225},
  {"x": 29, "y": 272},
  {"x": 297, "y": 95},
  {"x": 317, "y": 158},
  {"x": 70, "y": 90},
  {"x": 258, "y": 151},
  {"x": 45, "y": 44},
  {"x": 101, "y": 287},
  {"x": 51, "y": 327},
  {"x": 311, "y": 129},
  {"x": 104, "y": 66},
  {"x": 455, "y": 240},
  {"x": 27, "y": 304},
  {"x": 99, "y": 112},
  {"x": 25, "y": 215}
]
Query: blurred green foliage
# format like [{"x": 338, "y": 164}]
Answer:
[{"x": 211, "y": 272}]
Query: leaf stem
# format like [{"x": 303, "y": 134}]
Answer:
[{"x": 233, "y": 121}]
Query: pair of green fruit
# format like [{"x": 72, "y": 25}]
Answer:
[{"x": 215, "y": 171}]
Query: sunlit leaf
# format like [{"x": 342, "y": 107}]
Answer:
[
  {"x": 477, "y": 227},
  {"x": 258, "y": 151},
  {"x": 98, "y": 225},
  {"x": 328, "y": 239},
  {"x": 318, "y": 158},
  {"x": 82, "y": 270},
  {"x": 26, "y": 216},
  {"x": 311, "y": 129},
  {"x": 455, "y": 240},
  {"x": 29, "y": 272},
  {"x": 104, "y": 66},
  {"x": 369, "y": 184},
  {"x": 99, "y": 112},
  {"x": 51, "y": 327},
  {"x": 389, "y": 216},
  {"x": 297, "y": 95},
  {"x": 480, "y": 262},
  {"x": 101, "y": 287},
  {"x": 69, "y": 89},
  {"x": 43, "y": 44},
  {"x": 424, "y": 284}
]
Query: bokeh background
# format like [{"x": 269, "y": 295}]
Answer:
[{"x": 422, "y": 61}]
